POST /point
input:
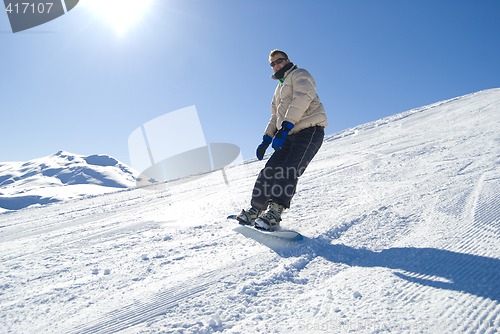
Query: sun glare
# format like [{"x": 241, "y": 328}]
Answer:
[{"x": 121, "y": 15}]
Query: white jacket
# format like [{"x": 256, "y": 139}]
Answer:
[{"x": 295, "y": 100}]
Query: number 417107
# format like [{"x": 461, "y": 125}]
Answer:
[{"x": 29, "y": 8}]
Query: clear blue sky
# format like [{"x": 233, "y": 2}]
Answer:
[{"x": 79, "y": 85}]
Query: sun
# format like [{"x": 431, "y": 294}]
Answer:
[{"x": 121, "y": 15}]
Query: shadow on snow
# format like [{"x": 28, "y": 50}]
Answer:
[{"x": 437, "y": 268}]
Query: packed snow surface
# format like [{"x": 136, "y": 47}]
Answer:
[{"x": 401, "y": 219}]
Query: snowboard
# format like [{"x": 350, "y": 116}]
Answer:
[{"x": 280, "y": 233}]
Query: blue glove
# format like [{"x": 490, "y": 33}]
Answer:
[
  {"x": 280, "y": 137},
  {"x": 261, "y": 149}
]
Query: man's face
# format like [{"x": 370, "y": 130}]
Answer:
[{"x": 278, "y": 61}]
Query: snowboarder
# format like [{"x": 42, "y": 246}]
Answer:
[{"x": 295, "y": 132}]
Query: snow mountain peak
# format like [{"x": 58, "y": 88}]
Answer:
[{"x": 61, "y": 176}]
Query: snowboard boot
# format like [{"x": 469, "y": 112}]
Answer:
[
  {"x": 270, "y": 220},
  {"x": 247, "y": 217}
]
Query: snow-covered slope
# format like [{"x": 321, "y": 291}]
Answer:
[
  {"x": 402, "y": 225},
  {"x": 60, "y": 176}
]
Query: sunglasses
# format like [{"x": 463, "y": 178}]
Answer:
[{"x": 277, "y": 61}]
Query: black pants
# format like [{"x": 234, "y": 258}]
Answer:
[{"x": 277, "y": 181}]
